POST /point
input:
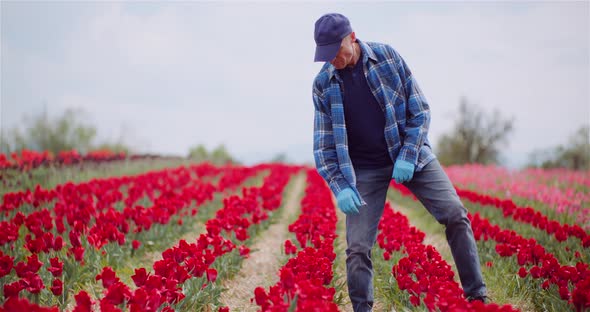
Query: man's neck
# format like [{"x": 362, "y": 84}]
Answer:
[{"x": 357, "y": 54}]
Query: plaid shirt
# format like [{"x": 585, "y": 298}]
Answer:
[{"x": 407, "y": 115}]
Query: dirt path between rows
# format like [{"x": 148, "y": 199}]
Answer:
[
  {"x": 341, "y": 267},
  {"x": 262, "y": 267}
]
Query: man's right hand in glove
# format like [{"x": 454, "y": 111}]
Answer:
[{"x": 348, "y": 201}]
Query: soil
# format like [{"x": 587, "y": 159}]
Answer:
[{"x": 262, "y": 266}]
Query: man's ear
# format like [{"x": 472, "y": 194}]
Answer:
[{"x": 352, "y": 37}]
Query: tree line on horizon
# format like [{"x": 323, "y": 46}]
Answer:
[
  {"x": 476, "y": 137},
  {"x": 63, "y": 133}
]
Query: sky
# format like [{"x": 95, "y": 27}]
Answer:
[{"x": 166, "y": 76}]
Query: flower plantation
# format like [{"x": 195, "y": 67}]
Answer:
[{"x": 168, "y": 239}]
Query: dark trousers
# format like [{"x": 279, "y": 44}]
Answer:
[{"x": 435, "y": 191}]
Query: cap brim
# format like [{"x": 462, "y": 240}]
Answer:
[{"x": 326, "y": 53}]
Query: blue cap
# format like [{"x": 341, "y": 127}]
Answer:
[{"x": 330, "y": 29}]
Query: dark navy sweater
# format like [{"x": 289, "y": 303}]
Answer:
[{"x": 365, "y": 121}]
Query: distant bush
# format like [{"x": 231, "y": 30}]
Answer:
[
  {"x": 574, "y": 155},
  {"x": 64, "y": 133},
  {"x": 219, "y": 155}
]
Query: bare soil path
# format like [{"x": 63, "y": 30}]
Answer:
[{"x": 262, "y": 266}]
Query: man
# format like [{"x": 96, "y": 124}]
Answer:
[{"x": 371, "y": 125}]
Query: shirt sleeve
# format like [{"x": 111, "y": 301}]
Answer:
[
  {"x": 324, "y": 148},
  {"x": 417, "y": 114}
]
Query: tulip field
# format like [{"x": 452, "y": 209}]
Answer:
[{"x": 180, "y": 236}]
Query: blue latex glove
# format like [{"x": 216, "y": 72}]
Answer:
[
  {"x": 403, "y": 171},
  {"x": 348, "y": 201}
]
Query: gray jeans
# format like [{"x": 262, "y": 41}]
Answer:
[{"x": 435, "y": 191}]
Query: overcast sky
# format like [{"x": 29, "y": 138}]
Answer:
[{"x": 167, "y": 76}]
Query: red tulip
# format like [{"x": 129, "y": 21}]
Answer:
[
  {"x": 33, "y": 283},
  {"x": 140, "y": 277},
  {"x": 56, "y": 267},
  {"x": 117, "y": 293},
  {"x": 13, "y": 289},
  {"x": 244, "y": 251},
  {"x": 6, "y": 264},
  {"x": 57, "y": 287},
  {"x": 211, "y": 275},
  {"x": 522, "y": 272},
  {"x": 108, "y": 277},
  {"x": 83, "y": 302}
]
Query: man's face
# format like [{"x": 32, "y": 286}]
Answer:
[{"x": 346, "y": 53}]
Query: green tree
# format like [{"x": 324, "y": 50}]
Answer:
[
  {"x": 63, "y": 133},
  {"x": 198, "y": 153},
  {"x": 574, "y": 155},
  {"x": 219, "y": 155},
  {"x": 475, "y": 138}
]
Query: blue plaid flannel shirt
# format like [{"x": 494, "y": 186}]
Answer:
[{"x": 407, "y": 116}]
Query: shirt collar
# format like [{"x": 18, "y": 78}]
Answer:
[{"x": 367, "y": 53}]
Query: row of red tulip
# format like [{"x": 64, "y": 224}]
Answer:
[
  {"x": 525, "y": 215},
  {"x": 29, "y": 159},
  {"x": 561, "y": 177},
  {"x": 569, "y": 197},
  {"x": 138, "y": 185},
  {"x": 304, "y": 278},
  {"x": 530, "y": 253},
  {"x": 423, "y": 273},
  {"x": 530, "y": 216}
]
